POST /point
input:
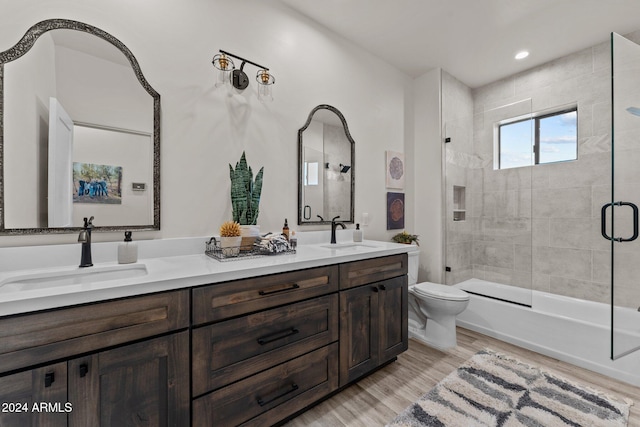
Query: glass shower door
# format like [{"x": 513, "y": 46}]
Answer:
[
  {"x": 620, "y": 215},
  {"x": 488, "y": 201}
]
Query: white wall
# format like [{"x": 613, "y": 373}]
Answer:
[
  {"x": 28, "y": 86},
  {"x": 90, "y": 88},
  {"x": 203, "y": 130},
  {"x": 427, "y": 155},
  {"x": 134, "y": 154}
]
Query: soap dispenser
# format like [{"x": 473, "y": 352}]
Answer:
[
  {"x": 128, "y": 250},
  {"x": 285, "y": 229},
  {"x": 357, "y": 234}
]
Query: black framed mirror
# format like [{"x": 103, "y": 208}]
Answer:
[
  {"x": 326, "y": 166},
  {"x": 79, "y": 133}
]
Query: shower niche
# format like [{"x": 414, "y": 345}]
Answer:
[{"x": 459, "y": 196}]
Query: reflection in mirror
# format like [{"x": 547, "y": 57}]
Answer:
[
  {"x": 326, "y": 163},
  {"x": 80, "y": 134}
]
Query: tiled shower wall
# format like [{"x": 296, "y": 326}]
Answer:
[{"x": 537, "y": 227}]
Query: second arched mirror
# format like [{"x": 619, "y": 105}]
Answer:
[{"x": 326, "y": 157}]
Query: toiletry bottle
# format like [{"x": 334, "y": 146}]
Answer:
[
  {"x": 285, "y": 229},
  {"x": 128, "y": 250},
  {"x": 293, "y": 240},
  {"x": 357, "y": 234}
]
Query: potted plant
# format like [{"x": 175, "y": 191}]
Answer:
[
  {"x": 406, "y": 238},
  {"x": 230, "y": 238},
  {"x": 245, "y": 200}
]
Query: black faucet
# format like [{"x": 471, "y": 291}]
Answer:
[
  {"x": 334, "y": 225},
  {"x": 85, "y": 238}
]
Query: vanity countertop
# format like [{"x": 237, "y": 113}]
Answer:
[{"x": 172, "y": 272}]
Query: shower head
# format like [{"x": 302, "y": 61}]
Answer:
[
  {"x": 344, "y": 168},
  {"x": 634, "y": 110}
]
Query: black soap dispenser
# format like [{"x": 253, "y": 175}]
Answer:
[{"x": 128, "y": 250}]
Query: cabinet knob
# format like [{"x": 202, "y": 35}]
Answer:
[
  {"x": 49, "y": 378},
  {"x": 383, "y": 288},
  {"x": 84, "y": 370},
  {"x": 374, "y": 288}
]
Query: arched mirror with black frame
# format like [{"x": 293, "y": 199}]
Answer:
[
  {"x": 79, "y": 133},
  {"x": 326, "y": 165}
]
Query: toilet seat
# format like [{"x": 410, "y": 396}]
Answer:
[{"x": 435, "y": 290}]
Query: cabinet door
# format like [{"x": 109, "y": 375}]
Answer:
[
  {"x": 359, "y": 323},
  {"x": 146, "y": 383},
  {"x": 393, "y": 308},
  {"x": 35, "y": 398}
]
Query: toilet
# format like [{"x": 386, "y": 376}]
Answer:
[{"x": 433, "y": 309}]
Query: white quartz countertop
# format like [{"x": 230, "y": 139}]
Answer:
[{"x": 170, "y": 273}]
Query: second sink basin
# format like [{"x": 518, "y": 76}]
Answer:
[
  {"x": 75, "y": 276},
  {"x": 352, "y": 246}
]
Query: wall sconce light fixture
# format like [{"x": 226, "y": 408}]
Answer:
[{"x": 227, "y": 73}]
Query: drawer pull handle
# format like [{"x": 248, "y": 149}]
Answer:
[
  {"x": 49, "y": 379},
  {"x": 293, "y": 387},
  {"x": 290, "y": 288},
  {"x": 277, "y": 336},
  {"x": 84, "y": 370}
]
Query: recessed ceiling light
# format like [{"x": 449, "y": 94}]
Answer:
[{"x": 522, "y": 55}]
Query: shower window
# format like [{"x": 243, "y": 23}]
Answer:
[{"x": 544, "y": 138}]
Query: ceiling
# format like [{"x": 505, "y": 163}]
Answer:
[{"x": 474, "y": 40}]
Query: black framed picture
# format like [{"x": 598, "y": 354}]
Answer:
[{"x": 395, "y": 211}]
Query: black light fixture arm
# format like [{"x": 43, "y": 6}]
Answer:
[{"x": 243, "y": 60}]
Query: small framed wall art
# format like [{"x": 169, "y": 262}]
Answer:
[
  {"x": 395, "y": 170},
  {"x": 395, "y": 211}
]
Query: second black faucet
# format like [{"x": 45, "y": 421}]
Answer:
[{"x": 335, "y": 225}]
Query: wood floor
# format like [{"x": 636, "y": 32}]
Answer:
[{"x": 376, "y": 399}]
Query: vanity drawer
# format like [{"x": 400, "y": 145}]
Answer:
[
  {"x": 272, "y": 395},
  {"x": 372, "y": 270},
  {"x": 31, "y": 339},
  {"x": 224, "y": 300},
  {"x": 231, "y": 350}
]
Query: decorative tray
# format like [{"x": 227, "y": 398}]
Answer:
[{"x": 264, "y": 246}]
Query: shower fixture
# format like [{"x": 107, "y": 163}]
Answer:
[
  {"x": 342, "y": 168},
  {"x": 633, "y": 110}
]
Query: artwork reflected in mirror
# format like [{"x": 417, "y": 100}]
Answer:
[
  {"x": 80, "y": 133},
  {"x": 326, "y": 168}
]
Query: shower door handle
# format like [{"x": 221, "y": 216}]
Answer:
[{"x": 603, "y": 223}]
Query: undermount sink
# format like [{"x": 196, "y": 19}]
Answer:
[
  {"x": 75, "y": 276},
  {"x": 352, "y": 246}
]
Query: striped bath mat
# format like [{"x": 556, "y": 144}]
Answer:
[{"x": 495, "y": 390}]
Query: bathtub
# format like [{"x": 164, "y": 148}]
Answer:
[{"x": 569, "y": 329}]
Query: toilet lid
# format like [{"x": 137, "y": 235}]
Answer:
[{"x": 435, "y": 290}]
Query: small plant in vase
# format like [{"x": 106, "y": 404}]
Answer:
[
  {"x": 406, "y": 238},
  {"x": 230, "y": 238},
  {"x": 245, "y": 199}
]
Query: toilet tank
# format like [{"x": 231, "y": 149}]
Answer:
[{"x": 414, "y": 263}]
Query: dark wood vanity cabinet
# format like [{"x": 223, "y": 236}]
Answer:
[
  {"x": 20, "y": 392},
  {"x": 141, "y": 383},
  {"x": 264, "y": 348},
  {"x": 249, "y": 352},
  {"x": 373, "y": 316}
]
